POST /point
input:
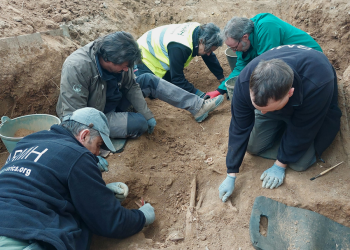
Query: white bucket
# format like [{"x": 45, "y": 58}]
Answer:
[{"x": 230, "y": 84}]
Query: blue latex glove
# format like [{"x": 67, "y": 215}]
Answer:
[
  {"x": 120, "y": 190},
  {"x": 102, "y": 164},
  {"x": 273, "y": 177},
  {"x": 151, "y": 124},
  {"x": 148, "y": 211},
  {"x": 226, "y": 188},
  {"x": 200, "y": 93}
]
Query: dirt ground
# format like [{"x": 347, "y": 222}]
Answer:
[{"x": 160, "y": 167}]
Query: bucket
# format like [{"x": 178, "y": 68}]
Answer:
[
  {"x": 36, "y": 122},
  {"x": 230, "y": 84},
  {"x": 231, "y": 58}
]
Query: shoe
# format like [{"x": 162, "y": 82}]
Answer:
[{"x": 208, "y": 106}]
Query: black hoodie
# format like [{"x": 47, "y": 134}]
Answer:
[{"x": 51, "y": 186}]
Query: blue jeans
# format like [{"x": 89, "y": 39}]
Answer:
[{"x": 131, "y": 125}]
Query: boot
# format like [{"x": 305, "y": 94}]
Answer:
[{"x": 208, "y": 106}]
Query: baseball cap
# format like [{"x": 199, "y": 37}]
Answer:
[{"x": 95, "y": 119}]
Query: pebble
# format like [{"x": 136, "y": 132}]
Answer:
[
  {"x": 191, "y": 2},
  {"x": 203, "y": 238},
  {"x": 176, "y": 236},
  {"x": 189, "y": 18},
  {"x": 18, "y": 19},
  {"x": 3, "y": 25}
]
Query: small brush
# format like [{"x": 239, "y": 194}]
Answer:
[{"x": 326, "y": 171}]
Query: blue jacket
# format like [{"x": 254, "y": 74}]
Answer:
[
  {"x": 312, "y": 109},
  {"x": 51, "y": 190}
]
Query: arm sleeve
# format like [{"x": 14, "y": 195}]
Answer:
[
  {"x": 241, "y": 125},
  {"x": 97, "y": 205},
  {"x": 133, "y": 93},
  {"x": 213, "y": 65},
  {"x": 74, "y": 90},
  {"x": 305, "y": 124},
  {"x": 178, "y": 55}
]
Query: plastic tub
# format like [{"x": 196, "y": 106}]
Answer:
[{"x": 35, "y": 122}]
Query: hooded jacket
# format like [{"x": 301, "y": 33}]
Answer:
[
  {"x": 312, "y": 109},
  {"x": 51, "y": 190},
  {"x": 82, "y": 85}
]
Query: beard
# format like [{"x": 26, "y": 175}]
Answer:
[{"x": 245, "y": 46}]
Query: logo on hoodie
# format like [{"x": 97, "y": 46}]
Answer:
[{"x": 77, "y": 87}]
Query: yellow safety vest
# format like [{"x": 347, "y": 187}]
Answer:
[{"x": 154, "y": 45}]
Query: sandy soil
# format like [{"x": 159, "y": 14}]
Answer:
[
  {"x": 161, "y": 167},
  {"x": 22, "y": 132}
]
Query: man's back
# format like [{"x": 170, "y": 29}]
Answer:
[
  {"x": 270, "y": 31},
  {"x": 35, "y": 201},
  {"x": 51, "y": 186},
  {"x": 313, "y": 101}
]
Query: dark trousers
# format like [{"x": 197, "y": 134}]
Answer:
[{"x": 266, "y": 136}]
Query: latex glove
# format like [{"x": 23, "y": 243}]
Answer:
[
  {"x": 200, "y": 93},
  {"x": 102, "y": 164},
  {"x": 212, "y": 94},
  {"x": 151, "y": 124},
  {"x": 148, "y": 211},
  {"x": 226, "y": 188},
  {"x": 273, "y": 177},
  {"x": 119, "y": 189}
]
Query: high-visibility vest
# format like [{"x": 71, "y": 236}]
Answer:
[{"x": 154, "y": 45}]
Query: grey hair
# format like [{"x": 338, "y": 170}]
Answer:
[
  {"x": 118, "y": 47},
  {"x": 270, "y": 79},
  {"x": 237, "y": 27},
  {"x": 75, "y": 128},
  {"x": 209, "y": 35}
]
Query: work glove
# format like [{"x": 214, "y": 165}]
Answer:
[
  {"x": 212, "y": 94},
  {"x": 200, "y": 93},
  {"x": 151, "y": 124},
  {"x": 119, "y": 189},
  {"x": 148, "y": 211},
  {"x": 102, "y": 164},
  {"x": 226, "y": 187},
  {"x": 273, "y": 177}
]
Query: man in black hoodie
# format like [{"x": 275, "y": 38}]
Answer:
[
  {"x": 52, "y": 195},
  {"x": 284, "y": 107}
]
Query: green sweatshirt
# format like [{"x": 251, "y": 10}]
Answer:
[{"x": 269, "y": 32}]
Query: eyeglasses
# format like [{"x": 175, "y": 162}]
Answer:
[{"x": 236, "y": 47}]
